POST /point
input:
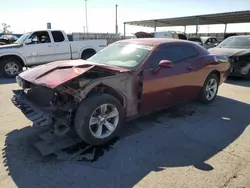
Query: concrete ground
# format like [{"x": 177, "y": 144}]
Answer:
[{"x": 189, "y": 146}]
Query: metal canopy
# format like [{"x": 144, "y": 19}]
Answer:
[{"x": 208, "y": 19}]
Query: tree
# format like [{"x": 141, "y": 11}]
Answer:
[{"x": 5, "y": 28}]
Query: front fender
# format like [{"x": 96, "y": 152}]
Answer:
[
  {"x": 2, "y": 54},
  {"x": 123, "y": 84}
]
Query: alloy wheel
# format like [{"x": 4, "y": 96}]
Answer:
[
  {"x": 104, "y": 121},
  {"x": 11, "y": 68},
  {"x": 211, "y": 89}
]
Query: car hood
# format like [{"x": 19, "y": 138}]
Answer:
[
  {"x": 56, "y": 73},
  {"x": 229, "y": 52},
  {"x": 10, "y": 46}
]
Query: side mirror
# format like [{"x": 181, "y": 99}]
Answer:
[
  {"x": 163, "y": 64},
  {"x": 28, "y": 41}
]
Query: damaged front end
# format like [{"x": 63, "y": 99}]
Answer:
[
  {"x": 46, "y": 108},
  {"x": 240, "y": 65},
  {"x": 54, "y": 108}
]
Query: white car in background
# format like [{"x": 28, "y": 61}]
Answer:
[
  {"x": 44, "y": 46},
  {"x": 206, "y": 42}
]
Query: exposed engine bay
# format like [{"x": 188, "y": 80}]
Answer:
[{"x": 56, "y": 107}]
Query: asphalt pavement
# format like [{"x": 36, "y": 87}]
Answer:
[{"x": 191, "y": 145}]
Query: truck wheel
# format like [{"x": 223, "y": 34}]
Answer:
[
  {"x": 99, "y": 119},
  {"x": 87, "y": 54},
  {"x": 10, "y": 67},
  {"x": 210, "y": 89}
]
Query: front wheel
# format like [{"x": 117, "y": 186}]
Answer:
[
  {"x": 210, "y": 89},
  {"x": 99, "y": 119},
  {"x": 10, "y": 67}
]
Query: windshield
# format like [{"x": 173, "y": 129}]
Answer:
[
  {"x": 236, "y": 42},
  {"x": 125, "y": 55},
  {"x": 22, "y": 38}
]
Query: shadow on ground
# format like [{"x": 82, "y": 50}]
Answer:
[
  {"x": 183, "y": 136},
  {"x": 238, "y": 81},
  {"x": 7, "y": 80}
]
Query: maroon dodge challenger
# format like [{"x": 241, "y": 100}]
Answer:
[{"x": 129, "y": 78}]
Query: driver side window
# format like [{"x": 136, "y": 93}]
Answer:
[
  {"x": 209, "y": 41},
  {"x": 40, "y": 37},
  {"x": 174, "y": 53}
]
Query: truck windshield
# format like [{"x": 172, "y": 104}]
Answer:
[
  {"x": 22, "y": 38},
  {"x": 125, "y": 55}
]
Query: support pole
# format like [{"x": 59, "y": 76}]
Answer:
[
  {"x": 225, "y": 29},
  {"x": 86, "y": 16},
  {"x": 197, "y": 25},
  {"x": 155, "y": 26},
  {"x": 116, "y": 26},
  {"x": 185, "y": 29},
  {"x": 124, "y": 30}
]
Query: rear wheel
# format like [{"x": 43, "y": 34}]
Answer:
[
  {"x": 10, "y": 67},
  {"x": 210, "y": 89},
  {"x": 99, "y": 119}
]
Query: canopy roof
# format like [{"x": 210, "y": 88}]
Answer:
[{"x": 208, "y": 19}]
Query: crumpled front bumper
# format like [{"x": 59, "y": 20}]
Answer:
[{"x": 39, "y": 117}]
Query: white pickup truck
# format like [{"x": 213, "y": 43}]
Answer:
[{"x": 44, "y": 46}]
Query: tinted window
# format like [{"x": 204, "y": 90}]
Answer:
[
  {"x": 57, "y": 36},
  {"x": 215, "y": 40},
  {"x": 172, "y": 53}
]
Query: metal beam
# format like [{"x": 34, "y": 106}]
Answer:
[
  {"x": 214, "y": 20},
  {"x": 159, "y": 21},
  {"x": 155, "y": 26}
]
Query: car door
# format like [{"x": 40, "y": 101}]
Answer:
[
  {"x": 170, "y": 85},
  {"x": 62, "y": 46},
  {"x": 39, "y": 49}
]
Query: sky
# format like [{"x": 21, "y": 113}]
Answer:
[{"x": 69, "y": 15}]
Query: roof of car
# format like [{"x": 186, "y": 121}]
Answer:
[
  {"x": 153, "y": 41},
  {"x": 241, "y": 36}
]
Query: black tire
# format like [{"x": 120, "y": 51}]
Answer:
[
  {"x": 203, "y": 97},
  {"x": 84, "y": 112},
  {"x": 14, "y": 61},
  {"x": 87, "y": 54}
]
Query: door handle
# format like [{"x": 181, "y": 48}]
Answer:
[
  {"x": 190, "y": 68},
  {"x": 49, "y": 45}
]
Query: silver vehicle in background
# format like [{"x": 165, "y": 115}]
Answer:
[{"x": 206, "y": 42}]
